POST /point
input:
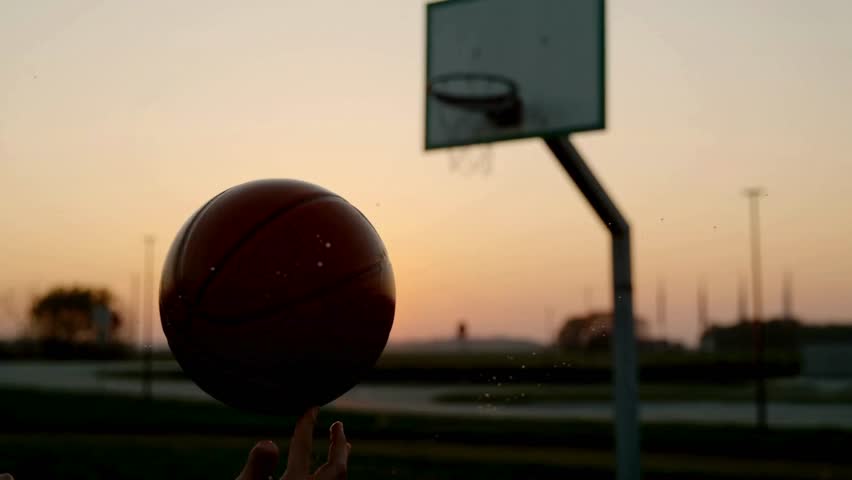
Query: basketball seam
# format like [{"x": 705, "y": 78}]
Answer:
[
  {"x": 284, "y": 306},
  {"x": 185, "y": 240},
  {"x": 373, "y": 227},
  {"x": 250, "y": 233}
]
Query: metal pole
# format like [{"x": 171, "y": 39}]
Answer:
[
  {"x": 624, "y": 351},
  {"x": 147, "y": 304},
  {"x": 703, "y": 316},
  {"x": 742, "y": 300},
  {"x": 661, "y": 308},
  {"x": 787, "y": 295},
  {"x": 754, "y": 195},
  {"x": 134, "y": 318}
]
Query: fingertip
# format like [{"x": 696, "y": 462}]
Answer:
[
  {"x": 266, "y": 447},
  {"x": 299, "y": 457},
  {"x": 262, "y": 461},
  {"x": 338, "y": 450},
  {"x": 264, "y": 452},
  {"x": 307, "y": 421},
  {"x": 337, "y": 433}
]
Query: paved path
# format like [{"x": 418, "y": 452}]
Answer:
[{"x": 81, "y": 376}]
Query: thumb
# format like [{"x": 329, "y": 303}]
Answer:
[{"x": 261, "y": 463}]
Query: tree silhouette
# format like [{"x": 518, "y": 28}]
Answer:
[
  {"x": 66, "y": 315},
  {"x": 591, "y": 331}
]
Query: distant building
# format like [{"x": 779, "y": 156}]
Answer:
[
  {"x": 782, "y": 335},
  {"x": 827, "y": 361},
  {"x": 102, "y": 318},
  {"x": 707, "y": 343}
]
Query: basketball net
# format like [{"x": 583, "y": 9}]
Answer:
[{"x": 471, "y": 161}]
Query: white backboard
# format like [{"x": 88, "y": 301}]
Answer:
[{"x": 552, "y": 49}]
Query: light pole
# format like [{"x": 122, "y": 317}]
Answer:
[
  {"x": 787, "y": 295},
  {"x": 754, "y": 194},
  {"x": 661, "y": 308},
  {"x": 134, "y": 318},
  {"x": 703, "y": 316},
  {"x": 147, "y": 317}
]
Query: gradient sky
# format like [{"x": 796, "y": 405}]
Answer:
[{"x": 119, "y": 118}]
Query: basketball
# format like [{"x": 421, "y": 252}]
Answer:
[{"x": 276, "y": 296}]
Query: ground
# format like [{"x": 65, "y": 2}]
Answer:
[{"x": 80, "y": 436}]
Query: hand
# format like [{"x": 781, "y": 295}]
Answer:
[{"x": 263, "y": 458}]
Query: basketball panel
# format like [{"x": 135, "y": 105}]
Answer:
[
  {"x": 319, "y": 348},
  {"x": 230, "y": 218},
  {"x": 303, "y": 251}
]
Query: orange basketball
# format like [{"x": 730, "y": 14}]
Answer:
[{"x": 277, "y": 295}]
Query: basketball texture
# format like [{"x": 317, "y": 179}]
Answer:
[{"x": 276, "y": 296}]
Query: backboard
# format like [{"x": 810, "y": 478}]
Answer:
[{"x": 507, "y": 69}]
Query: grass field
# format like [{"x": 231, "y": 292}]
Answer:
[
  {"x": 553, "y": 367},
  {"x": 779, "y": 391},
  {"x": 79, "y": 436}
]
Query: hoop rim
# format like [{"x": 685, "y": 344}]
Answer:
[{"x": 486, "y": 103}]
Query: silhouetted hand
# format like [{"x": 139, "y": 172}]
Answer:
[{"x": 263, "y": 458}]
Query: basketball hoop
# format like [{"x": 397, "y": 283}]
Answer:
[{"x": 495, "y": 96}]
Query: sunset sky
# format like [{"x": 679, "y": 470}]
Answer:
[{"x": 121, "y": 118}]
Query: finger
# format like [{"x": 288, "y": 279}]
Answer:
[
  {"x": 261, "y": 463},
  {"x": 338, "y": 450},
  {"x": 338, "y": 455},
  {"x": 6, "y": 476},
  {"x": 299, "y": 457}
]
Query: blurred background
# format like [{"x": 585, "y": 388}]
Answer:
[{"x": 119, "y": 119}]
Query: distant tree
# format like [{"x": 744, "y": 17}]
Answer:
[
  {"x": 591, "y": 331},
  {"x": 67, "y": 315}
]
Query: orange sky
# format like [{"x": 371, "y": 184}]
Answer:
[{"x": 120, "y": 118}]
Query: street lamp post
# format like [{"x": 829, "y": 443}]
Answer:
[
  {"x": 147, "y": 317},
  {"x": 754, "y": 195}
]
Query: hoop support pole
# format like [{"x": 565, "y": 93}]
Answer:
[{"x": 625, "y": 370}]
